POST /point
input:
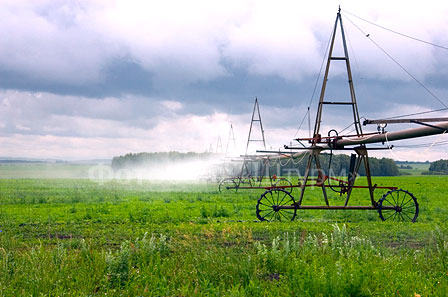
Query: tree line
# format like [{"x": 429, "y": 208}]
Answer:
[
  {"x": 439, "y": 167},
  {"x": 335, "y": 165},
  {"x": 340, "y": 164},
  {"x": 139, "y": 160}
]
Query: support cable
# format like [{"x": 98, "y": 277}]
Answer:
[
  {"x": 299, "y": 160},
  {"x": 309, "y": 123},
  {"x": 396, "y": 62},
  {"x": 354, "y": 56},
  {"x": 390, "y": 148},
  {"x": 396, "y": 32},
  {"x": 284, "y": 164},
  {"x": 429, "y": 145},
  {"x": 422, "y": 145},
  {"x": 416, "y": 113},
  {"x": 434, "y": 143},
  {"x": 340, "y": 132},
  {"x": 315, "y": 86}
]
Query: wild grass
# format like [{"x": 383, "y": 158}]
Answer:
[{"x": 69, "y": 237}]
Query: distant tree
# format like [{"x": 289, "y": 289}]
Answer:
[
  {"x": 340, "y": 164},
  {"x": 149, "y": 159},
  {"x": 439, "y": 167}
]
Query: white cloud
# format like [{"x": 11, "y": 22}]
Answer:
[
  {"x": 186, "y": 41},
  {"x": 272, "y": 40},
  {"x": 180, "y": 43},
  {"x": 51, "y": 42},
  {"x": 182, "y": 133},
  {"x": 37, "y": 125}
]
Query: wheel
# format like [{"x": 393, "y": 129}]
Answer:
[
  {"x": 398, "y": 205},
  {"x": 283, "y": 182},
  {"x": 269, "y": 203},
  {"x": 227, "y": 184}
]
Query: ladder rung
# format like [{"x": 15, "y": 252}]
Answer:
[
  {"x": 341, "y": 103},
  {"x": 338, "y": 58}
]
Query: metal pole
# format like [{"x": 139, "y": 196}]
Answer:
[
  {"x": 391, "y": 136},
  {"x": 350, "y": 81},
  {"x": 324, "y": 82}
]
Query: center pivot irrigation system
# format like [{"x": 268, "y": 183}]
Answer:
[
  {"x": 255, "y": 170},
  {"x": 277, "y": 202}
]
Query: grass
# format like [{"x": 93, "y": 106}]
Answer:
[
  {"x": 45, "y": 170},
  {"x": 76, "y": 237},
  {"x": 417, "y": 168}
]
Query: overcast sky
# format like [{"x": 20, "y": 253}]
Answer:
[{"x": 96, "y": 79}]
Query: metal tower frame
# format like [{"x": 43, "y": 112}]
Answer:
[
  {"x": 231, "y": 138},
  {"x": 264, "y": 163},
  {"x": 253, "y": 119},
  {"x": 361, "y": 155},
  {"x": 219, "y": 145}
]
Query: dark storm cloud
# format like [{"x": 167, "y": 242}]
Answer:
[
  {"x": 209, "y": 61},
  {"x": 46, "y": 113},
  {"x": 119, "y": 77}
]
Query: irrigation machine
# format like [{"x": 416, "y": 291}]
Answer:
[
  {"x": 277, "y": 202},
  {"x": 255, "y": 170}
]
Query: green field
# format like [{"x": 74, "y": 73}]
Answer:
[
  {"x": 45, "y": 170},
  {"x": 417, "y": 168},
  {"x": 76, "y": 237}
]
